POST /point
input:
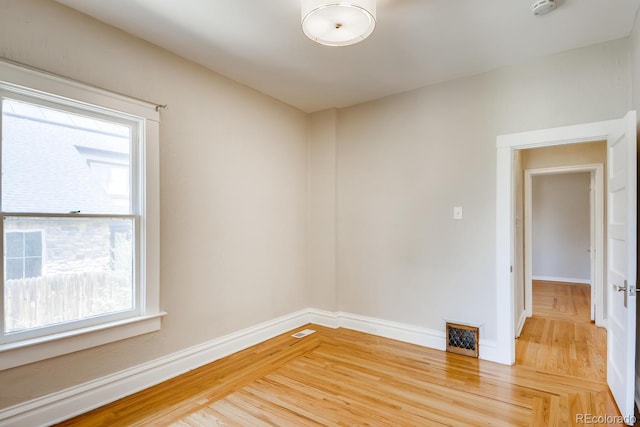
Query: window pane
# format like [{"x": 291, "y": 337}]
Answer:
[
  {"x": 84, "y": 271},
  {"x": 33, "y": 244},
  {"x": 32, "y": 267},
  {"x": 58, "y": 162},
  {"x": 13, "y": 269},
  {"x": 14, "y": 245}
]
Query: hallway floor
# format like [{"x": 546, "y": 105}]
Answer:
[{"x": 560, "y": 337}]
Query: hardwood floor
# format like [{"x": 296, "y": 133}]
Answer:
[
  {"x": 346, "y": 378},
  {"x": 562, "y": 301},
  {"x": 560, "y": 337}
]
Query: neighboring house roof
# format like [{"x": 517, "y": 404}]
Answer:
[{"x": 43, "y": 168}]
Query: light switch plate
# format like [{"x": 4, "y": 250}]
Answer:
[{"x": 457, "y": 212}]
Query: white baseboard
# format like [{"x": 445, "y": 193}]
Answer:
[
  {"x": 523, "y": 318},
  {"x": 394, "y": 330},
  {"x": 562, "y": 279},
  {"x": 73, "y": 401},
  {"x": 62, "y": 405},
  {"x": 399, "y": 331},
  {"x": 329, "y": 319}
]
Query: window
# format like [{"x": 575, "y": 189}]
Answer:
[
  {"x": 79, "y": 234},
  {"x": 23, "y": 254}
]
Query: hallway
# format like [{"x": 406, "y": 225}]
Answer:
[{"x": 560, "y": 337}]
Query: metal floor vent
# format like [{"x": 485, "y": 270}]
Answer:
[
  {"x": 304, "y": 333},
  {"x": 463, "y": 339}
]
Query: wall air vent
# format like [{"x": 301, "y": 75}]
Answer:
[{"x": 463, "y": 339}]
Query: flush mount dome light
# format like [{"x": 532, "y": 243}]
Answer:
[{"x": 338, "y": 22}]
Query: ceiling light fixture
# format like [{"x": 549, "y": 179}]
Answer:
[{"x": 338, "y": 22}]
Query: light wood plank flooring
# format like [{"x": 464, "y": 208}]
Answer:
[
  {"x": 347, "y": 378},
  {"x": 560, "y": 337},
  {"x": 562, "y": 301}
]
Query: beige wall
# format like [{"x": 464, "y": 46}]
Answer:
[
  {"x": 590, "y": 153},
  {"x": 233, "y": 190},
  {"x": 322, "y": 209},
  {"x": 561, "y": 226},
  {"x": 405, "y": 161}
]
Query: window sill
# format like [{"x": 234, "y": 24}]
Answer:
[{"x": 33, "y": 350}]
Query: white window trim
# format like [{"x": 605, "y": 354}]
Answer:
[{"x": 149, "y": 320}]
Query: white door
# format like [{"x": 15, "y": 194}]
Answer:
[
  {"x": 621, "y": 249},
  {"x": 592, "y": 244}
]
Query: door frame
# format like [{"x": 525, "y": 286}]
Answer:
[
  {"x": 505, "y": 222},
  {"x": 596, "y": 235}
]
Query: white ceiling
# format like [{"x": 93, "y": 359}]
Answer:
[{"x": 416, "y": 42}]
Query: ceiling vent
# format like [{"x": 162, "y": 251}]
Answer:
[{"x": 542, "y": 7}]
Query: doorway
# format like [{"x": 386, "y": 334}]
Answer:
[
  {"x": 620, "y": 135},
  {"x": 574, "y": 210},
  {"x": 563, "y": 219}
]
